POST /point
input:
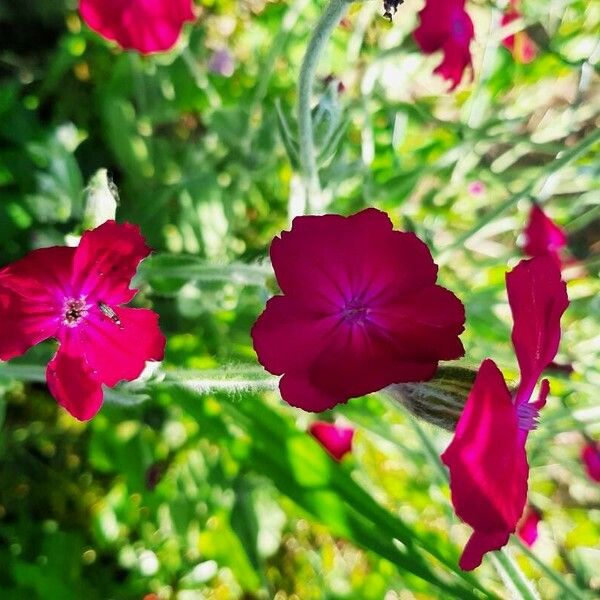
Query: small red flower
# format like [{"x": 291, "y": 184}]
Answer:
[
  {"x": 543, "y": 237},
  {"x": 487, "y": 458},
  {"x": 445, "y": 25},
  {"x": 143, "y": 25},
  {"x": 520, "y": 44},
  {"x": 360, "y": 310},
  {"x": 76, "y": 295},
  {"x": 590, "y": 455},
  {"x": 527, "y": 527},
  {"x": 335, "y": 439}
]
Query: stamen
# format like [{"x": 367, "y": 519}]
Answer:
[
  {"x": 74, "y": 311},
  {"x": 527, "y": 415}
]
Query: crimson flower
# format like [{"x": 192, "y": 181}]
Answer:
[
  {"x": 76, "y": 295},
  {"x": 335, "y": 439},
  {"x": 360, "y": 310},
  {"x": 527, "y": 527},
  {"x": 520, "y": 44},
  {"x": 542, "y": 236},
  {"x": 143, "y": 25},
  {"x": 487, "y": 458},
  {"x": 590, "y": 455},
  {"x": 445, "y": 25}
]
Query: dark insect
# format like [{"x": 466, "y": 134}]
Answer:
[
  {"x": 389, "y": 6},
  {"x": 110, "y": 313}
]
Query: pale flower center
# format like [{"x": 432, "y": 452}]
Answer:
[
  {"x": 355, "y": 311},
  {"x": 74, "y": 311}
]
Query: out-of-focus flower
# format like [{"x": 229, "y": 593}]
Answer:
[
  {"x": 543, "y": 237},
  {"x": 76, "y": 295},
  {"x": 221, "y": 63},
  {"x": 527, "y": 527},
  {"x": 445, "y": 25},
  {"x": 144, "y": 25},
  {"x": 337, "y": 440},
  {"x": 360, "y": 310},
  {"x": 520, "y": 44},
  {"x": 487, "y": 457},
  {"x": 590, "y": 456},
  {"x": 476, "y": 188}
]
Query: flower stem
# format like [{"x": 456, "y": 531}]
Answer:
[
  {"x": 330, "y": 18},
  {"x": 513, "y": 578}
]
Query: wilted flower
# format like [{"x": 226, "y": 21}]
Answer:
[
  {"x": 337, "y": 440},
  {"x": 76, "y": 295},
  {"x": 360, "y": 310},
  {"x": 543, "y": 237},
  {"x": 520, "y": 44},
  {"x": 487, "y": 458},
  {"x": 445, "y": 25},
  {"x": 590, "y": 455},
  {"x": 221, "y": 63},
  {"x": 144, "y": 25},
  {"x": 527, "y": 527}
]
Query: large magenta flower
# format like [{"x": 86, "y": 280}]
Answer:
[
  {"x": 76, "y": 295},
  {"x": 542, "y": 236},
  {"x": 487, "y": 458},
  {"x": 590, "y": 455},
  {"x": 445, "y": 25},
  {"x": 336, "y": 440},
  {"x": 143, "y": 25},
  {"x": 360, "y": 310}
]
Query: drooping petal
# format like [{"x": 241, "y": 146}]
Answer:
[
  {"x": 527, "y": 528},
  {"x": 542, "y": 236},
  {"x": 590, "y": 455},
  {"x": 119, "y": 351},
  {"x": 143, "y": 25},
  {"x": 538, "y": 298},
  {"x": 32, "y": 294},
  {"x": 106, "y": 260},
  {"x": 337, "y": 440},
  {"x": 457, "y": 57},
  {"x": 488, "y": 466},
  {"x": 71, "y": 380}
]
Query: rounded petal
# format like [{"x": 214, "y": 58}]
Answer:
[
  {"x": 298, "y": 391},
  {"x": 488, "y": 465},
  {"x": 336, "y": 440},
  {"x": 538, "y": 298},
  {"x": 143, "y": 25},
  {"x": 72, "y": 382},
  {"x": 106, "y": 260},
  {"x": 119, "y": 350}
]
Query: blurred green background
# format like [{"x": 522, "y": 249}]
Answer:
[{"x": 189, "y": 492}]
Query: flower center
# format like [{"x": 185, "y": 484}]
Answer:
[
  {"x": 74, "y": 310},
  {"x": 527, "y": 415},
  {"x": 355, "y": 311},
  {"x": 458, "y": 27}
]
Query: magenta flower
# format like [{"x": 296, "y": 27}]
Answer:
[
  {"x": 590, "y": 455},
  {"x": 543, "y": 237},
  {"x": 527, "y": 527},
  {"x": 144, "y": 25},
  {"x": 337, "y": 440},
  {"x": 487, "y": 458},
  {"x": 76, "y": 295},
  {"x": 476, "y": 188},
  {"x": 445, "y": 25},
  {"x": 520, "y": 44},
  {"x": 360, "y": 310}
]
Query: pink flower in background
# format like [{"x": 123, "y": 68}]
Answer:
[
  {"x": 590, "y": 455},
  {"x": 335, "y": 439},
  {"x": 76, "y": 295},
  {"x": 543, "y": 237},
  {"x": 527, "y": 527},
  {"x": 221, "y": 63},
  {"x": 476, "y": 188},
  {"x": 520, "y": 44},
  {"x": 360, "y": 310},
  {"x": 487, "y": 458},
  {"x": 445, "y": 25},
  {"x": 143, "y": 25}
]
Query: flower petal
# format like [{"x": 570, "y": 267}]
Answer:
[
  {"x": 488, "y": 465},
  {"x": 590, "y": 455},
  {"x": 71, "y": 381},
  {"x": 538, "y": 298},
  {"x": 527, "y": 528},
  {"x": 144, "y": 25},
  {"x": 335, "y": 439},
  {"x": 106, "y": 260},
  {"x": 542, "y": 236},
  {"x": 457, "y": 57},
  {"x": 119, "y": 351}
]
